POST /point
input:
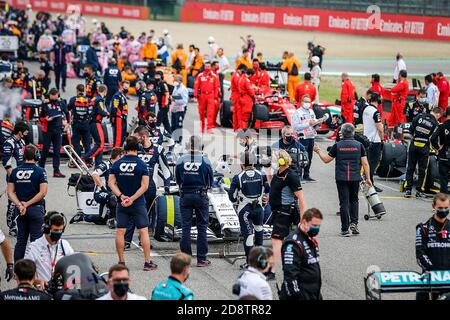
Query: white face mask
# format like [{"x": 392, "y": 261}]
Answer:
[
  {"x": 275, "y": 166},
  {"x": 306, "y": 105}
]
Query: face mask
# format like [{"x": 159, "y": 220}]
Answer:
[
  {"x": 289, "y": 139},
  {"x": 125, "y": 91},
  {"x": 306, "y": 105},
  {"x": 275, "y": 166},
  {"x": 243, "y": 143},
  {"x": 55, "y": 235},
  {"x": 423, "y": 100},
  {"x": 313, "y": 231},
  {"x": 120, "y": 288},
  {"x": 442, "y": 213},
  {"x": 157, "y": 79}
]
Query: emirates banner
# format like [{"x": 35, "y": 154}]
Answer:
[
  {"x": 375, "y": 23},
  {"x": 86, "y": 8}
]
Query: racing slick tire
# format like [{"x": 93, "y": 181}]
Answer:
[
  {"x": 393, "y": 158},
  {"x": 168, "y": 218},
  {"x": 261, "y": 112},
  {"x": 226, "y": 115}
]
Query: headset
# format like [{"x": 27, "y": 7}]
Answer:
[
  {"x": 37, "y": 155},
  {"x": 281, "y": 161},
  {"x": 262, "y": 258},
  {"x": 48, "y": 219}
]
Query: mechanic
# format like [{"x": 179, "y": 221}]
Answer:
[
  {"x": 6, "y": 131},
  {"x": 196, "y": 63},
  {"x": 153, "y": 156},
  {"x": 45, "y": 66},
  {"x": 119, "y": 113},
  {"x": 46, "y": 251},
  {"x": 235, "y": 96},
  {"x": 58, "y": 58},
  {"x": 433, "y": 241},
  {"x": 194, "y": 175},
  {"x": 246, "y": 99},
  {"x": 249, "y": 189},
  {"x": 163, "y": 95},
  {"x": 374, "y": 131},
  {"x": 52, "y": 113},
  {"x": 377, "y": 88},
  {"x": 180, "y": 100},
  {"x": 305, "y": 88},
  {"x": 360, "y": 106},
  {"x": 291, "y": 65},
  {"x": 146, "y": 101},
  {"x": 347, "y": 98},
  {"x": 399, "y": 93},
  {"x": 244, "y": 59},
  {"x": 287, "y": 202},
  {"x": 179, "y": 59},
  {"x": 440, "y": 140},
  {"x": 420, "y": 105},
  {"x": 295, "y": 149},
  {"x": 304, "y": 123},
  {"x": 444, "y": 90},
  {"x": 173, "y": 288},
  {"x": 129, "y": 180},
  {"x": 99, "y": 112},
  {"x": 27, "y": 187},
  {"x": 256, "y": 77},
  {"x": 350, "y": 155},
  {"x": 25, "y": 276},
  {"x": 8, "y": 255},
  {"x": 422, "y": 128},
  {"x": 34, "y": 85},
  {"x": 207, "y": 91},
  {"x": 432, "y": 91},
  {"x": 119, "y": 284},
  {"x": 111, "y": 79},
  {"x": 300, "y": 255},
  {"x": 149, "y": 50},
  {"x": 157, "y": 134},
  {"x": 253, "y": 281},
  {"x": 81, "y": 108},
  {"x": 92, "y": 81},
  {"x": 102, "y": 194},
  {"x": 264, "y": 78}
]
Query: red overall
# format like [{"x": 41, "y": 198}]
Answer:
[
  {"x": 247, "y": 95},
  {"x": 206, "y": 90},
  {"x": 399, "y": 93},
  {"x": 348, "y": 100}
]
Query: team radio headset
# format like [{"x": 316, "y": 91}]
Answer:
[
  {"x": 261, "y": 264},
  {"x": 48, "y": 220}
]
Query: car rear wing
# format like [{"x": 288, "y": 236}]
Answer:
[{"x": 377, "y": 283}]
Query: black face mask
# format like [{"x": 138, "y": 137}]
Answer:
[
  {"x": 313, "y": 231},
  {"x": 152, "y": 124},
  {"x": 125, "y": 91},
  {"x": 55, "y": 235},
  {"x": 121, "y": 288},
  {"x": 442, "y": 213}
]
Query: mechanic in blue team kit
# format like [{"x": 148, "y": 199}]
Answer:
[
  {"x": 13, "y": 149},
  {"x": 249, "y": 189},
  {"x": 153, "y": 156},
  {"x": 102, "y": 194},
  {"x": 111, "y": 79},
  {"x": 156, "y": 133},
  {"x": 92, "y": 81},
  {"x": 128, "y": 180},
  {"x": 119, "y": 114},
  {"x": 194, "y": 176},
  {"x": 173, "y": 288},
  {"x": 27, "y": 187},
  {"x": 433, "y": 240}
]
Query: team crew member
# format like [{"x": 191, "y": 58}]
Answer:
[
  {"x": 25, "y": 276},
  {"x": 111, "y": 79},
  {"x": 444, "y": 90},
  {"x": 128, "y": 180},
  {"x": 102, "y": 194},
  {"x": 422, "y": 128},
  {"x": 91, "y": 82},
  {"x": 252, "y": 282},
  {"x": 441, "y": 142},
  {"x": 247, "y": 98},
  {"x": 300, "y": 254},
  {"x": 52, "y": 113},
  {"x": 194, "y": 175},
  {"x": 144, "y": 101},
  {"x": 305, "y": 123},
  {"x": 374, "y": 131},
  {"x": 432, "y": 90},
  {"x": 350, "y": 155},
  {"x": 81, "y": 108},
  {"x": 45, "y": 66},
  {"x": 99, "y": 112},
  {"x": 156, "y": 133},
  {"x": 119, "y": 285},
  {"x": 292, "y": 66},
  {"x": 180, "y": 100},
  {"x": 162, "y": 93},
  {"x": 347, "y": 98},
  {"x": 377, "y": 88},
  {"x": 433, "y": 240},
  {"x": 46, "y": 251},
  {"x": 119, "y": 114},
  {"x": 173, "y": 288},
  {"x": 58, "y": 57},
  {"x": 420, "y": 105},
  {"x": 399, "y": 93},
  {"x": 27, "y": 187},
  {"x": 235, "y": 95},
  {"x": 13, "y": 148},
  {"x": 7, "y": 254},
  {"x": 206, "y": 91},
  {"x": 249, "y": 189},
  {"x": 305, "y": 88},
  {"x": 287, "y": 202},
  {"x": 179, "y": 59}
]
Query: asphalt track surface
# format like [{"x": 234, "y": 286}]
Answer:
[{"x": 388, "y": 244}]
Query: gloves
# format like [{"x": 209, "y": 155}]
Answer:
[{"x": 9, "y": 274}]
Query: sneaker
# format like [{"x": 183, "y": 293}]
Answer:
[
  {"x": 345, "y": 233},
  {"x": 72, "y": 165},
  {"x": 203, "y": 263},
  {"x": 408, "y": 194},
  {"x": 378, "y": 189},
  {"x": 127, "y": 246},
  {"x": 243, "y": 266},
  {"x": 309, "y": 179},
  {"x": 79, "y": 217},
  {"x": 354, "y": 228},
  {"x": 111, "y": 223},
  {"x": 13, "y": 232},
  {"x": 58, "y": 174},
  {"x": 270, "y": 276},
  {"x": 420, "y": 194},
  {"x": 148, "y": 266}
]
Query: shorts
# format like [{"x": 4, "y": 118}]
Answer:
[
  {"x": 281, "y": 225},
  {"x": 135, "y": 213}
]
